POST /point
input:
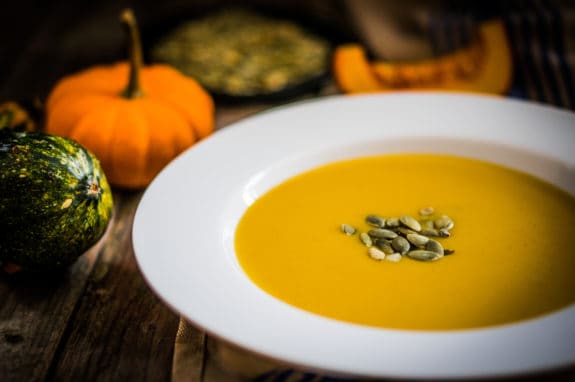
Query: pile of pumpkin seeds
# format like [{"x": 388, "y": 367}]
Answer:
[{"x": 417, "y": 238}]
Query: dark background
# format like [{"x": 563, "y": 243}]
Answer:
[{"x": 40, "y": 41}]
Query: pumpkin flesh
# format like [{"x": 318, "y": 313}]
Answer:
[{"x": 484, "y": 66}]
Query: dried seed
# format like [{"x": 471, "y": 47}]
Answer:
[
  {"x": 434, "y": 246},
  {"x": 443, "y": 221},
  {"x": 426, "y": 211},
  {"x": 347, "y": 229},
  {"x": 385, "y": 246},
  {"x": 400, "y": 244},
  {"x": 417, "y": 239},
  {"x": 392, "y": 222},
  {"x": 375, "y": 221},
  {"x": 393, "y": 257},
  {"x": 410, "y": 223},
  {"x": 375, "y": 253},
  {"x": 365, "y": 239},
  {"x": 423, "y": 255},
  {"x": 382, "y": 233},
  {"x": 444, "y": 232},
  {"x": 447, "y": 252},
  {"x": 404, "y": 231},
  {"x": 431, "y": 232}
]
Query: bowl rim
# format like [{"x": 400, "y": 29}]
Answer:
[{"x": 338, "y": 348}]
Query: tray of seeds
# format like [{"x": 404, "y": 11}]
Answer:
[{"x": 240, "y": 53}]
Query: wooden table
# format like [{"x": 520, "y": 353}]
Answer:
[{"x": 98, "y": 320}]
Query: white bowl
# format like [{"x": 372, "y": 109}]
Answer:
[{"x": 183, "y": 232}]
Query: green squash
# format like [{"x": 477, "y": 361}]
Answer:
[{"x": 55, "y": 201}]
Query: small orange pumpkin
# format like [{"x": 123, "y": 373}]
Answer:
[{"x": 134, "y": 130}]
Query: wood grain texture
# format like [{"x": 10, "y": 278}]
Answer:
[
  {"x": 119, "y": 331},
  {"x": 33, "y": 316}
]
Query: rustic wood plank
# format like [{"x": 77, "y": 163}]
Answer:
[
  {"x": 34, "y": 314},
  {"x": 33, "y": 317},
  {"x": 120, "y": 330}
]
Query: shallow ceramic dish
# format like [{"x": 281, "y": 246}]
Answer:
[{"x": 184, "y": 229}]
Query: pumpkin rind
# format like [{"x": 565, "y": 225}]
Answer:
[
  {"x": 135, "y": 119},
  {"x": 174, "y": 111},
  {"x": 55, "y": 201}
]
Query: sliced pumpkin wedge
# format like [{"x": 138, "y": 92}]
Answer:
[
  {"x": 353, "y": 72},
  {"x": 483, "y": 66}
]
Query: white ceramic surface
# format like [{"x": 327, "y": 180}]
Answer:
[{"x": 184, "y": 229}]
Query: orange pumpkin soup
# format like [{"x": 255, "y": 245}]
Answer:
[{"x": 513, "y": 239}]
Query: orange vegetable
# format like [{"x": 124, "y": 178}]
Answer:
[
  {"x": 353, "y": 72},
  {"x": 134, "y": 129},
  {"x": 483, "y": 66}
]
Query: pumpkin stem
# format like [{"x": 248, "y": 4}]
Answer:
[{"x": 133, "y": 89}]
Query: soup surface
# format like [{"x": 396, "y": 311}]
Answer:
[{"x": 513, "y": 239}]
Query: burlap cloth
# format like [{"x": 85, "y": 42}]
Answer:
[{"x": 542, "y": 36}]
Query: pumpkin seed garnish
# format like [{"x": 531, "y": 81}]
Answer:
[
  {"x": 444, "y": 232},
  {"x": 394, "y": 257},
  {"x": 375, "y": 221},
  {"x": 347, "y": 229},
  {"x": 404, "y": 231},
  {"x": 434, "y": 246},
  {"x": 382, "y": 233},
  {"x": 375, "y": 253},
  {"x": 410, "y": 222},
  {"x": 417, "y": 239},
  {"x": 401, "y": 245},
  {"x": 392, "y": 238},
  {"x": 365, "y": 239},
  {"x": 431, "y": 232},
  {"x": 423, "y": 255},
  {"x": 385, "y": 246},
  {"x": 443, "y": 221}
]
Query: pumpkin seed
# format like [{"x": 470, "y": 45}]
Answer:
[
  {"x": 447, "y": 252},
  {"x": 347, "y": 229},
  {"x": 375, "y": 221},
  {"x": 434, "y": 246},
  {"x": 401, "y": 245},
  {"x": 444, "y": 232},
  {"x": 393, "y": 257},
  {"x": 423, "y": 255},
  {"x": 426, "y": 211},
  {"x": 382, "y": 233},
  {"x": 392, "y": 222},
  {"x": 443, "y": 221},
  {"x": 385, "y": 246},
  {"x": 410, "y": 222},
  {"x": 431, "y": 232},
  {"x": 404, "y": 231},
  {"x": 365, "y": 239},
  {"x": 375, "y": 253},
  {"x": 417, "y": 239}
]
